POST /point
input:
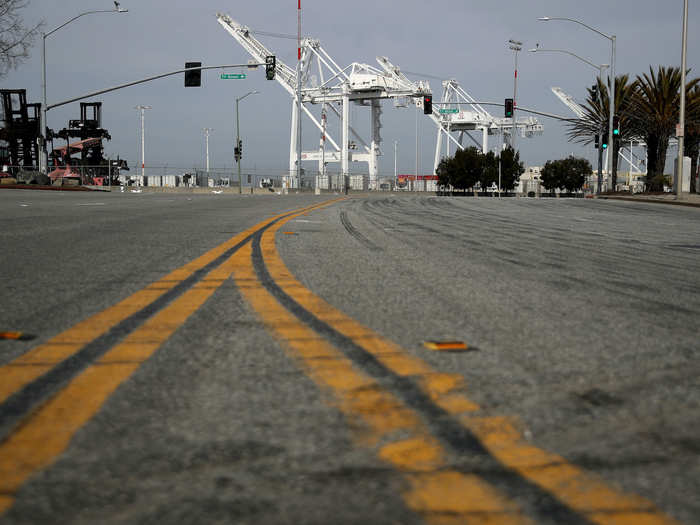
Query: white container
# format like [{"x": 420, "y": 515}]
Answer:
[{"x": 359, "y": 182}]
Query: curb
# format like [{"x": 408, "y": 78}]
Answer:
[
  {"x": 655, "y": 201},
  {"x": 38, "y": 187}
]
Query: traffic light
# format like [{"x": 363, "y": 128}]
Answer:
[
  {"x": 616, "y": 126},
  {"x": 508, "y": 107},
  {"x": 427, "y": 105},
  {"x": 594, "y": 92},
  {"x": 270, "y": 65},
  {"x": 193, "y": 78},
  {"x": 597, "y": 141},
  {"x": 238, "y": 150},
  {"x": 604, "y": 141}
]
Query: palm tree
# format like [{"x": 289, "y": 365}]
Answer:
[
  {"x": 597, "y": 113},
  {"x": 692, "y": 133},
  {"x": 653, "y": 115}
]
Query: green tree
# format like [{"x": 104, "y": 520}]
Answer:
[
  {"x": 569, "y": 174},
  {"x": 489, "y": 170},
  {"x": 15, "y": 38},
  {"x": 597, "y": 115},
  {"x": 469, "y": 166},
  {"x": 511, "y": 168},
  {"x": 552, "y": 174},
  {"x": 653, "y": 115},
  {"x": 461, "y": 171}
]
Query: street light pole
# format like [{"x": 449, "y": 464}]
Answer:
[
  {"x": 143, "y": 142},
  {"x": 238, "y": 139},
  {"x": 416, "y": 179},
  {"x": 206, "y": 137},
  {"x": 299, "y": 104},
  {"x": 44, "y": 154},
  {"x": 396, "y": 165},
  {"x": 611, "y": 77},
  {"x": 600, "y": 69},
  {"x": 681, "y": 124},
  {"x": 515, "y": 46}
]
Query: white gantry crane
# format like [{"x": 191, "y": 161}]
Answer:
[
  {"x": 461, "y": 114},
  {"x": 626, "y": 151},
  {"x": 458, "y": 113},
  {"x": 326, "y": 83}
]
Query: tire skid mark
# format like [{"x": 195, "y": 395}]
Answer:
[
  {"x": 438, "y": 493},
  {"x": 356, "y": 234},
  {"x": 562, "y": 487}
]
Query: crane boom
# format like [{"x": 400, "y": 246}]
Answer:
[
  {"x": 569, "y": 101},
  {"x": 285, "y": 75}
]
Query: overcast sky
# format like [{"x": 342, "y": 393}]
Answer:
[{"x": 461, "y": 39}]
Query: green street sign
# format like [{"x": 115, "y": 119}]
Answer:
[
  {"x": 228, "y": 76},
  {"x": 449, "y": 110}
]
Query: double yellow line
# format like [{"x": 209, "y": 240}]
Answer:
[
  {"x": 44, "y": 434},
  {"x": 439, "y": 493},
  {"x": 400, "y": 433}
]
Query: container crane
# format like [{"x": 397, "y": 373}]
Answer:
[
  {"x": 324, "y": 82},
  {"x": 464, "y": 115}
]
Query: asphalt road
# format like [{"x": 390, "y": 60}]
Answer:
[{"x": 239, "y": 397}]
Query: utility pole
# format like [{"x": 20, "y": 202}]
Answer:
[
  {"x": 600, "y": 162},
  {"x": 396, "y": 172},
  {"x": 317, "y": 190},
  {"x": 237, "y": 148},
  {"x": 299, "y": 96},
  {"x": 415, "y": 181},
  {"x": 611, "y": 113},
  {"x": 681, "y": 124},
  {"x": 143, "y": 109},
  {"x": 500, "y": 163},
  {"x": 206, "y": 136}
]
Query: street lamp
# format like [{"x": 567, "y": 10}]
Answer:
[
  {"x": 238, "y": 139},
  {"x": 207, "y": 131},
  {"x": 515, "y": 46},
  {"x": 44, "y": 155},
  {"x": 681, "y": 124},
  {"x": 611, "y": 102},
  {"x": 143, "y": 109},
  {"x": 396, "y": 172},
  {"x": 600, "y": 69}
]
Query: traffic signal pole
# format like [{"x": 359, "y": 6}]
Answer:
[
  {"x": 238, "y": 146},
  {"x": 148, "y": 79},
  {"x": 600, "y": 165}
]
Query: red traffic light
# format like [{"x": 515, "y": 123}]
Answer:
[{"x": 427, "y": 105}]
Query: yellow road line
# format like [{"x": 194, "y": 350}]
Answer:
[
  {"x": 441, "y": 495},
  {"x": 33, "y": 364},
  {"x": 583, "y": 492},
  {"x": 45, "y": 434}
]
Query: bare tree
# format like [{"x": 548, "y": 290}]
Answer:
[{"x": 15, "y": 37}]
